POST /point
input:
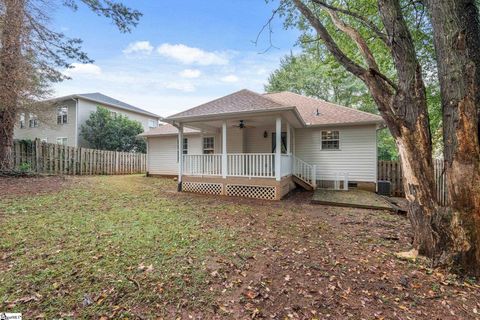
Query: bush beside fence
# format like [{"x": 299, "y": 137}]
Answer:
[
  {"x": 392, "y": 171},
  {"x": 50, "y": 158}
]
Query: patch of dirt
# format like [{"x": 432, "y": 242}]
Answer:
[
  {"x": 320, "y": 262},
  {"x": 11, "y": 187}
]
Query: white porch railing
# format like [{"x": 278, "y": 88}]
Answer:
[
  {"x": 202, "y": 164},
  {"x": 305, "y": 171},
  {"x": 251, "y": 165},
  {"x": 259, "y": 165}
]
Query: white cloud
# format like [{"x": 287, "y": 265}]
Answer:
[
  {"x": 142, "y": 47},
  {"x": 181, "y": 86},
  {"x": 83, "y": 69},
  {"x": 191, "y": 55},
  {"x": 190, "y": 73},
  {"x": 230, "y": 78}
]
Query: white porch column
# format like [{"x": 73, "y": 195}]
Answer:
[
  {"x": 278, "y": 148},
  {"x": 180, "y": 156},
  {"x": 224, "y": 149},
  {"x": 289, "y": 139}
]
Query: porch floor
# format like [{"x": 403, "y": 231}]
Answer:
[{"x": 352, "y": 198}]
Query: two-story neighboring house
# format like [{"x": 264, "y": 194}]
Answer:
[{"x": 62, "y": 122}]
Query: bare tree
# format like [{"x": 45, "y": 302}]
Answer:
[
  {"x": 402, "y": 104},
  {"x": 32, "y": 55}
]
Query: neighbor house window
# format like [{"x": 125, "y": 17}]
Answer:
[
  {"x": 330, "y": 140},
  {"x": 22, "y": 120},
  {"x": 185, "y": 146},
  {"x": 33, "y": 121},
  {"x": 62, "y": 115},
  {"x": 62, "y": 141},
  {"x": 208, "y": 145},
  {"x": 152, "y": 123}
]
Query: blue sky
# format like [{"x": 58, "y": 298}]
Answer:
[{"x": 181, "y": 54}]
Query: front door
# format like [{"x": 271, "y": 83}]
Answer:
[{"x": 284, "y": 142}]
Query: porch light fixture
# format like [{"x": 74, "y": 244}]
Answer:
[{"x": 265, "y": 134}]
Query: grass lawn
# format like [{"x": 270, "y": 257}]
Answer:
[{"x": 131, "y": 247}]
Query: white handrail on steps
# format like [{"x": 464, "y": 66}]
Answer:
[{"x": 305, "y": 171}]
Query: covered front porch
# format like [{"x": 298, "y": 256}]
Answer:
[{"x": 239, "y": 157}]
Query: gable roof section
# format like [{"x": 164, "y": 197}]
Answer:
[
  {"x": 240, "y": 101},
  {"x": 328, "y": 113},
  {"x": 165, "y": 130},
  {"x": 104, "y": 99}
]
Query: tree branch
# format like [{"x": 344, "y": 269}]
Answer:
[
  {"x": 356, "y": 37},
  {"x": 401, "y": 44},
  {"x": 357, "y": 16},
  {"x": 270, "y": 31},
  {"x": 331, "y": 45}
]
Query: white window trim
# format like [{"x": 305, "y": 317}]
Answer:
[
  {"x": 155, "y": 122},
  {"x": 321, "y": 141},
  {"x": 59, "y": 108},
  {"x": 22, "y": 121},
  {"x": 62, "y": 138},
  {"x": 33, "y": 118},
  {"x": 203, "y": 144}
]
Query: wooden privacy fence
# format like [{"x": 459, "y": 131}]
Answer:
[
  {"x": 42, "y": 157},
  {"x": 392, "y": 171}
]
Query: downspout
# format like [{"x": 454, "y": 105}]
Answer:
[{"x": 76, "y": 121}]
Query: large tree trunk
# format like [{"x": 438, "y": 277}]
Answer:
[
  {"x": 457, "y": 43},
  {"x": 10, "y": 76},
  {"x": 411, "y": 129}
]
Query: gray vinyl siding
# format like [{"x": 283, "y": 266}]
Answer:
[
  {"x": 50, "y": 130},
  {"x": 357, "y": 154},
  {"x": 48, "y": 127},
  {"x": 87, "y": 107}
]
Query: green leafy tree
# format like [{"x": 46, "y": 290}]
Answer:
[{"x": 106, "y": 131}]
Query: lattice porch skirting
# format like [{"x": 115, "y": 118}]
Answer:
[
  {"x": 202, "y": 187},
  {"x": 258, "y": 192}
]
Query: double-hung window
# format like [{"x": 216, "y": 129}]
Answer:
[
  {"x": 62, "y": 141},
  {"x": 62, "y": 115},
  {"x": 152, "y": 123},
  {"x": 33, "y": 121},
  {"x": 22, "y": 120},
  {"x": 208, "y": 145},
  {"x": 330, "y": 140}
]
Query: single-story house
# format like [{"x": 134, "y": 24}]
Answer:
[{"x": 229, "y": 146}]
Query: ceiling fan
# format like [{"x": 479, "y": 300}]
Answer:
[{"x": 242, "y": 125}]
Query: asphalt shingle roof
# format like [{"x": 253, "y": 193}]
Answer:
[
  {"x": 240, "y": 101},
  {"x": 101, "y": 98},
  {"x": 328, "y": 113},
  {"x": 313, "y": 111}
]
